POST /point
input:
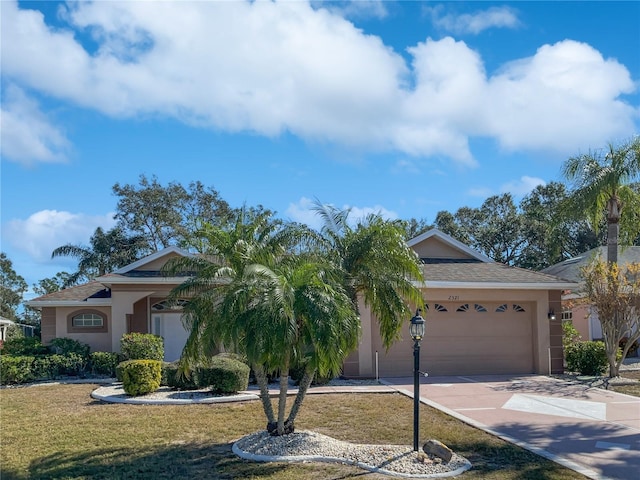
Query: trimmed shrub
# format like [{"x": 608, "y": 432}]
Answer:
[
  {"x": 24, "y": 346},
  {"x": 104, "y": 363},
  {"x": 64, "y": 346},
  {"x": 223, "y": 374},
  {"x": 142, "y": 346},
  {"x": 570, "y": 334},
  {"x": 53, "y": 366},
  {"x": 16, "y": 369},
  {"x": 140, "y": 377},
  {"x": 587, "y": 358},
  {"x": 174, "y": 378}
]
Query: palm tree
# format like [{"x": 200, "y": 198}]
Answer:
[
  {"x": 258, "y": 294},
  {"x": 602, "y": 187},
  {"x": 377, "y": 265},
  {"x": 107, "y": 252}
]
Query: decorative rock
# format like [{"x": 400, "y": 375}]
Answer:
[
  {"x": 423, "y": 458},
  {"x": 438, "y": 449}
]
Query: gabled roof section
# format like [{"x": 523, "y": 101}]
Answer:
[
  {"x": 94, "y": 292},
  {"x": 571, "y": 268},
  {"x": 150, "y": 260},
  {"x": 458, "y": 252}
]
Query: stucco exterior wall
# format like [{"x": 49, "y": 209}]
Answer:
[
  {"x": 99, "y": 342},
  {"x": 435, "y": 248},
  {"x": 48, "y": 324}
]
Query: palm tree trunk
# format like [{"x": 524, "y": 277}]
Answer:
[
  {"x": 263, "y": 384},
  {"x": 613, "y": 228},
  {"x": 307, "y": 378},
  {"x": 282, "y": 397}
]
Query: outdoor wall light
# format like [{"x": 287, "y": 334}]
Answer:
[{"x": 551, "y": 315}]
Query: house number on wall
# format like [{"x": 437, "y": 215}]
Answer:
[{"x": 454, "y": 297}]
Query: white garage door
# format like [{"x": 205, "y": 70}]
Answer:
[
  {"x": 467, "y": 339},
  {"x": 169, "y": 326}
]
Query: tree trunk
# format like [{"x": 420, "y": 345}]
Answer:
[
  {"x": 263, "y": 384},
  {"x": 282, "y": 397},
  {"x": 613, "y": 228},
  {"x": 307, "y": 378}
]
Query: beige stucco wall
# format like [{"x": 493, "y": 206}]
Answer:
[
  {"x": 99, "y": 342},
  {"x": 435, "y": 248}
]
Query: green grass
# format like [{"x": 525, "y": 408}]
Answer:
[{"x": 59, "y": 432}]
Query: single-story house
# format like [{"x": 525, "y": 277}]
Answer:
[
  {"x": 483, "y": 317},
  {"x": 5, "y": 323},
  {"x": 582, "y": 315}
]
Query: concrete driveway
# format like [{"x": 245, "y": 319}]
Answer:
[{"x": 592, "y": 431}]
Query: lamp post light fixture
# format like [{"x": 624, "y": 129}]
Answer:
[{"x": 416, "y": 329}]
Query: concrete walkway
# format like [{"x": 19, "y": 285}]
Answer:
[{"x": 592, "y": 431}]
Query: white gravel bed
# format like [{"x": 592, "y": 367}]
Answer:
[
  {"x": 304, "y": 446},
  {"x": 165, "y": 396}
]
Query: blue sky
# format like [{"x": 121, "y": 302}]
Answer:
[{"x": 406, "y": 108}]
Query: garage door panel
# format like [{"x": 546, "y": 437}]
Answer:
[{"x": 469, "y": 342}]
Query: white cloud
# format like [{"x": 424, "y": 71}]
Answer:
[
  {"x": 474, "y": 23},
  {"x": 46, "y": 230},
  {"x": 271, "y": 67},
  {"x": 26, "y": 135},
  {"x": 355, "y": 8},
  {"x": 302, "y": 212},
  {"x": 481, "y": 192},
  {"x": 523, "y": 186}
]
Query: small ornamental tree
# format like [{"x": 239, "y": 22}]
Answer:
[{"x": 614, "y": 293}]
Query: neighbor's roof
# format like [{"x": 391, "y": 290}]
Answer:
[
  {"x": 570, "y": 269},
  {"x": 485, "y": 275}
]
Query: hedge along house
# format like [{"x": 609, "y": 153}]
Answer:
[{"x": 483, "y": 317}]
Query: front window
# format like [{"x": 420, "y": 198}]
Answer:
[{"x": 87, "y": 320}]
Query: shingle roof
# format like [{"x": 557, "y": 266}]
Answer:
[
  {"x": 76, "y": 293},
  {"x": 570, "y": 269},
  {"x": 483, "y": 272}
]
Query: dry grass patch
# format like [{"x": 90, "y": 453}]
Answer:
[
  {"x": 59, "y": 432},
  {"x": 629, "y": 389}
]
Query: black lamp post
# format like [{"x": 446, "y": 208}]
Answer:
[{"x": 416, "y": 330}]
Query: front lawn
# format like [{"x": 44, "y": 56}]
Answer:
[
  {"x": 628, "y": 389},
  {"x": 58, "y": 431}
]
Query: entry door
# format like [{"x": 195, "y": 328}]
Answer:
[{"x": 169, "y": 327}]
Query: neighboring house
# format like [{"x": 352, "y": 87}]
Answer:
[
  {"x": 483, "y": 317},
  {"x": 583, "y": 316},
  {"x": 5, "y": 323}
]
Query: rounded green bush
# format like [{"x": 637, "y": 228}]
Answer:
[
  {"x": 174, "y": 378},
  {"x": 142, "y": 346},
  {"x": 104, "y": 363},
  {"x": 587, "y": 358},
  {"x": 223, "y": 374},
  {"x": 140, "y": 377}
]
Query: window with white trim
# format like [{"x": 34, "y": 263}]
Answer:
[{"x": 87, "y": 320}]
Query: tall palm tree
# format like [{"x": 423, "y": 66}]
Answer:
[
  {"x": 107, "y": 251},
  {"x": 257, "y": 294},
  {"x": 377, "y": 265},
  {"x": 602, "y": 187}
]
